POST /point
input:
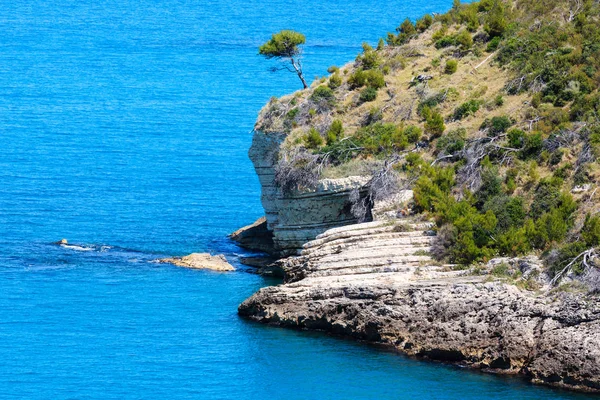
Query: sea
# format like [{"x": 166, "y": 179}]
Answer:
[{"x": 124, "y": 128}]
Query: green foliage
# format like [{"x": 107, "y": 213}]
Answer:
[
  {"x": 380, "y": 139},
  {"x": 516, "y": 138},
  {"x": 532, "y": 147},
  {"x": 493, "y": 44},
  {"x": 292, "y": 113},
  {"x": 495, "y": 22},
  {"x": 546, "y": 197},
  {"x": 464, "y": 40},
  {"x": 371, "y": 78},
  {"x": 335, "y": 81},
  {"x": 369, "y": 58},
  {"x": 465, "y": 109},
  {"x": 499, "y": 101},
  {"x": 451, "y": 67},
  {"x": 285, "y": 45},
  {"x": 282, "y": 44},
  {"x": 433, "y": 187},
  {"x": 590, "y": 232},
  {"x": 413, "y": 133},
  {"x": 335, "y": 132},
  {"x": 452, "y": 142},
  {"x": 333, "y": 69},
  {"x": 368, "y": 94},
  {"x": 496, "y": 125},
  {"x": 323, "y": 93},
  {"x": 491, "y": 184},
  {"x": 405, "y": 32},
  {"x": 313, "y": 139},
  {"x": 434, "y": 124},
  {"x": 510, "y": 211},
  {"x": 424, "y": 23}
]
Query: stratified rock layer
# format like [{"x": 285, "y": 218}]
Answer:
[
  {"x": 297, "y": 218},
  {"x": 375, "y": 282}
]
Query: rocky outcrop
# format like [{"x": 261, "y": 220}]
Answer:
[
  {"x": 297, "y": 218},
  {"x": 376, "y": 282},
  {"x": 200, "y": 261},
  {"x": 255, "y": 237}
]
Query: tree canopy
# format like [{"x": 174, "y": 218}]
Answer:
[{"x": 284, "y": 46}]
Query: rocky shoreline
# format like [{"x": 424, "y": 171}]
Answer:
[{"x": 375, "y": 282}]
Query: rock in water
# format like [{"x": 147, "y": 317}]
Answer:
[
  {"x": 201, "y": 261},
  {"x": 255, "y": 237}
]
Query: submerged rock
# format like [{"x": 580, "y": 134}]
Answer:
[{"x": 201, "y": 261}]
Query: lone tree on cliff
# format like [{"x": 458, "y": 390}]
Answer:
[{"x": 284, "y": 47}]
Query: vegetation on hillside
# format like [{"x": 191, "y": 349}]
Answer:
[{"x": 490, "y": 112}]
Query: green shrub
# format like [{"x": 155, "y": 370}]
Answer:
[
  {"x": 499, "y": 101},
  {"x": 493, "y": 44},
  {"x": 445, "y": 41},
  {"x": 451, "y": 67},
  {"x": 313, "y": 139},
  {"x": 495, "y": 23},
  {"x": 335, "y": 81},
  {"x": 368, "y": 94},
  {"x": 546, "y": 197},
  {"x": 335, "y": 132},
  {"x": 590, "y": 232},
  {"x": 381, "y": 139},
  {"x": 333, "y": 69},
  {"x": 491, "y": 184},
  {"x": 466, "y": 109},
  {"x": 497, "y": 125},
  {"x": 452, "y": 142},
  {"x": 292, "y": 113},
  {"x": 464, "y": 40},
  {"x": 372, "y": 78},
  {"x": 375, "y": 79},
  {"x": 413, "y": 133},
  {"x": 434, "y": 125},
  {"x": 369, "y": 58},
  {"x": 323, "y": 93},
  {"x": 424, "y": 23},
  {"x": 516, "y": 138},
  {"x": 533, "y": 146},
  {"x": 433, "y": 187},
  {"x": 357, "y": 79},
  {"x": 405, "y": 31},
  {"x": 510, "y": 211}
]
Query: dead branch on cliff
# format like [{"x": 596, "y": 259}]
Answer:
[{"x": 591, "y": 274}]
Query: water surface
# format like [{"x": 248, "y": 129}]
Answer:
[{"x": 124, "y": 127}]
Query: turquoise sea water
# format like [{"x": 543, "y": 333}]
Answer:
[{"x": 124, "y": 127}]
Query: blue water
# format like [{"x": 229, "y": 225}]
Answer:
[{"x": 124, "y": 127}]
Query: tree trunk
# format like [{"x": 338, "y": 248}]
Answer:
[{"x": 298, "y": 69}]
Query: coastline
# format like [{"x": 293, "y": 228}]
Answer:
[{"x": 549, "y": 338}]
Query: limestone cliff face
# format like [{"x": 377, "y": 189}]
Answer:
[
  {"x": 298, "y": 218},
  {"x": 376, "y": 282}
]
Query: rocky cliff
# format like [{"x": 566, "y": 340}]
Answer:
[
  {"x": 376, "y": 282},
  {"x": 299, "y": 217}
]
